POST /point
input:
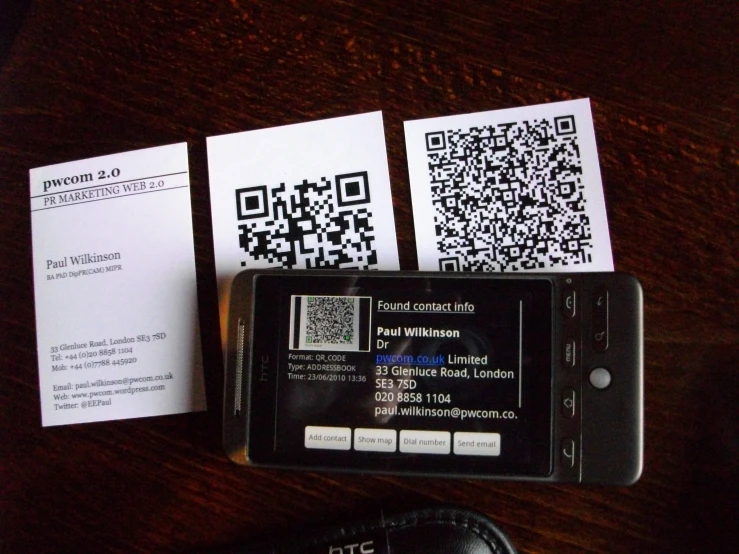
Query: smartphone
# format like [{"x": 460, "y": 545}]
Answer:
[{"x": 534, "y": 377}]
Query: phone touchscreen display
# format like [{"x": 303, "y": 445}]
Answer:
[{"x": 402, "y": 373}]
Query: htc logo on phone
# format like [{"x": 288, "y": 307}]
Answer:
[
  {"x": 263, "y": 369},
  {"x": 366, "y": 547}
]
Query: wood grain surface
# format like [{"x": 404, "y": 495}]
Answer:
[{"x": 86, "y": 78}]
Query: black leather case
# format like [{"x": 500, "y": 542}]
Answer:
[{"x": 428, "y": 531}]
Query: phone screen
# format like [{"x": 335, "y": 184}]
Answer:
[{"x": 402, "y": 373}]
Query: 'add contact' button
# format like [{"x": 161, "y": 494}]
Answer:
[
  {"x": 328, "y": 438},
  {"x": 477, "y": 444}
]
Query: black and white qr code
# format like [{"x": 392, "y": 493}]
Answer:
[
  {"x": 340, "y": 323},
  {"x": 329, "y": 320},
  {"x": 509, "y": 197},
  {"x": 315, "y": 223}
]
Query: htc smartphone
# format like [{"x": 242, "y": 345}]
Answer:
[{"x": 523, "y": 377}]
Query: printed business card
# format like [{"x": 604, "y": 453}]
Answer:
[
  {"x": 509, "y": 190},
  {"x": 115, "y": 290},
  {"x": 309, "y": 195}
]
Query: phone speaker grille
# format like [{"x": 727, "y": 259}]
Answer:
[{"x": 239, "y": 367}]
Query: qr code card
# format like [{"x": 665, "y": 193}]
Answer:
[
  {"x": 509, "y": 190},
  {"x": 310, "y": 195}
]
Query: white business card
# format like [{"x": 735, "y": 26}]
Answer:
[
  {"x": 309, "y": 195},
  {"x": 114, "y": 280},
  {"x": 509, "y": 190}
]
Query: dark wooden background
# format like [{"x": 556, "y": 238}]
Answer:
[{"x": 88, "y": 78}]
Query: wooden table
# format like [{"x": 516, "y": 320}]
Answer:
[{"x": 85, "y": 79}]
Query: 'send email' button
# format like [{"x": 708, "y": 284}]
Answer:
[
  {"x": 477, "y": 444},
  {"x": 328, "y": 438}
]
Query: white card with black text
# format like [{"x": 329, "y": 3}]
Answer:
[
  {"x": 114, "y": 280},
  {"x": 509, "y": 190},
  {"x": 309, "y": 195}
]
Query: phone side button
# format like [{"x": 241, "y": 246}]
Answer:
[
  {"x": 569, "y": 352},
  {"x": 569, "y": 303},
  {"x": 600, "y": 319},
  {"x": 569, "y": 403},
  {"x": 568, "y": 453},
  {"x": 600, "y": 338}
]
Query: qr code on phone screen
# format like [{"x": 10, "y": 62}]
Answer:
[{"x": 329, "y": 320}]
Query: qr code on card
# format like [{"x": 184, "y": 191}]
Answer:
[
  {"x": 509, "y": 197},
  {"x": 316, "y": 223}
]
